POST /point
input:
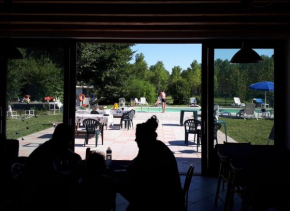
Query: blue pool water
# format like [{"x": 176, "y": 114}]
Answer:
[
  {"x": 178, "y": 109},
  {"x": 168, "y": 109}
]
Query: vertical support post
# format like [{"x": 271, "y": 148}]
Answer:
[
  {"x": 3, "y": 95},
  {"x": 70, "y": 86},
  {"x": 207, "y": 109}
]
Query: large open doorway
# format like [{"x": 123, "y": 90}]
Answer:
[
  {"x": 110, "y": 74},
  {"x": 35, "y": 96}
]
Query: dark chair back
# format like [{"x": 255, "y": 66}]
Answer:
[
  {"x": 191, "y": 127},
  {"x": 131, "y": 114},
  {"x": 127, "y": 118},
  {"x": 93, "y": 127},
  {"x": 187, "y": 184},
  {"x": 94, "y": 112},
  {"x": 223, "y": 175},
  {"x": 237, "y": 186}
]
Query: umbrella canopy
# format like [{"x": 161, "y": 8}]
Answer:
[{"x": 263, "y": 86}]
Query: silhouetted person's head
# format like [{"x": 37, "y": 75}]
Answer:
[
  {"x": 96, "y": 163},
  {"x": 145, "y": 132},
  {"x": 62, "y": 136}
]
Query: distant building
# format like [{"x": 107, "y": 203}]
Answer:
[{"x": 87, "y": 91}]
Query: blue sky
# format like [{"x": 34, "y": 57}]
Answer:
[{"x": 182, "y": 54}]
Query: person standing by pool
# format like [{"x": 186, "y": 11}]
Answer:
[{"x": 162, "y": 95}]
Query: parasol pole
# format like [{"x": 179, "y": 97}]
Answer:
[{"x": 265, "y": 99}]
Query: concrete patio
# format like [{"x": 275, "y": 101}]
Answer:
[{"x": 122, "y": 141}]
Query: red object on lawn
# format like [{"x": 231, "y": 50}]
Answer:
[{"x": 48, "y": 98}]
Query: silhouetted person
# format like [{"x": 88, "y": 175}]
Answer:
[
  {"x": 153, "y": 181},
  {"x": 97, "y": 189},
  {"x": 50, "y": 173}
]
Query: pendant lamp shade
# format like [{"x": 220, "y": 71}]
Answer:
[{"x": 246, "y": 55}]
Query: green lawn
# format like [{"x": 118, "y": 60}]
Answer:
[
  {"x": 17, "y": 128},
  {"x": 250, "y": 130}
]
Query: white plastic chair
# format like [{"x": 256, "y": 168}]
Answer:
[
  {"x": 143, "y": 101},
  {"x": 29, "y": 114},
  {"x": 137, "y": 102},
  {"x": 238, "y": 102},
  {"x": 12, "y": 114},
  {"x": 192, "y": 101},
  {"x": 249, "y": 112},
  {"x": 216, "y": 111}
]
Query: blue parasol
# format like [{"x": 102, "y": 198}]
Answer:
[{"x": 263, "y": 86}]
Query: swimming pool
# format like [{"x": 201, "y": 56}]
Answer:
[
  {"x": 168, "y": 109},
  {"x": 178, "y": 109},
  {"x": 236, "y": 110}
]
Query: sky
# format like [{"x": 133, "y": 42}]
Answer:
[{"x": 182, "y": 54}]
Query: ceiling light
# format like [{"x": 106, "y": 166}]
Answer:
[{"x": 246, "y": 55}]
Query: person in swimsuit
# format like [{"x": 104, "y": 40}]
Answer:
[{"x": 162, "y": 95}]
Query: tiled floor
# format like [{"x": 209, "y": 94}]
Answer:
[
  {"x": 123, "y": 145},
  {"x": 122, "y": 142},
  {"x": 200, "y": 198}
]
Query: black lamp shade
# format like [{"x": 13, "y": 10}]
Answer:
[
  {"x": 9, "y": 51},
  {"x": 246, "y": 55}
]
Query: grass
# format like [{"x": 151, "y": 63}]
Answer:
[
  {"x": 17, "y": 128},
  {"x": 250, "y": 130},
  {"x": 226, "y": 102}
]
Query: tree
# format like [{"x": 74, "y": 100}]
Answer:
[
  {"x": 106, "y": 67},
  {"x": 180, "y": 91},
  {"x": 141, "y": 88},
  {"x": 36, "y": 77},
  {"x": 193, "y": 76},
  {"x": 140, "y": 67},
  {"x": 159, "y": 76}
]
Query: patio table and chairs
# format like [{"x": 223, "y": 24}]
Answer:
[
  {"x": 105, "y": 119},
  {"x": 265, "y": 173}
]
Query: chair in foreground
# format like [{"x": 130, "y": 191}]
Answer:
[
  {"x": 191, "y": 127},
  {"x": 187, "y": 184},
  {"x": 223, "y": 176},
  {"x": 237, "y": 185},
  {"x": 93, "y": 127}
]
